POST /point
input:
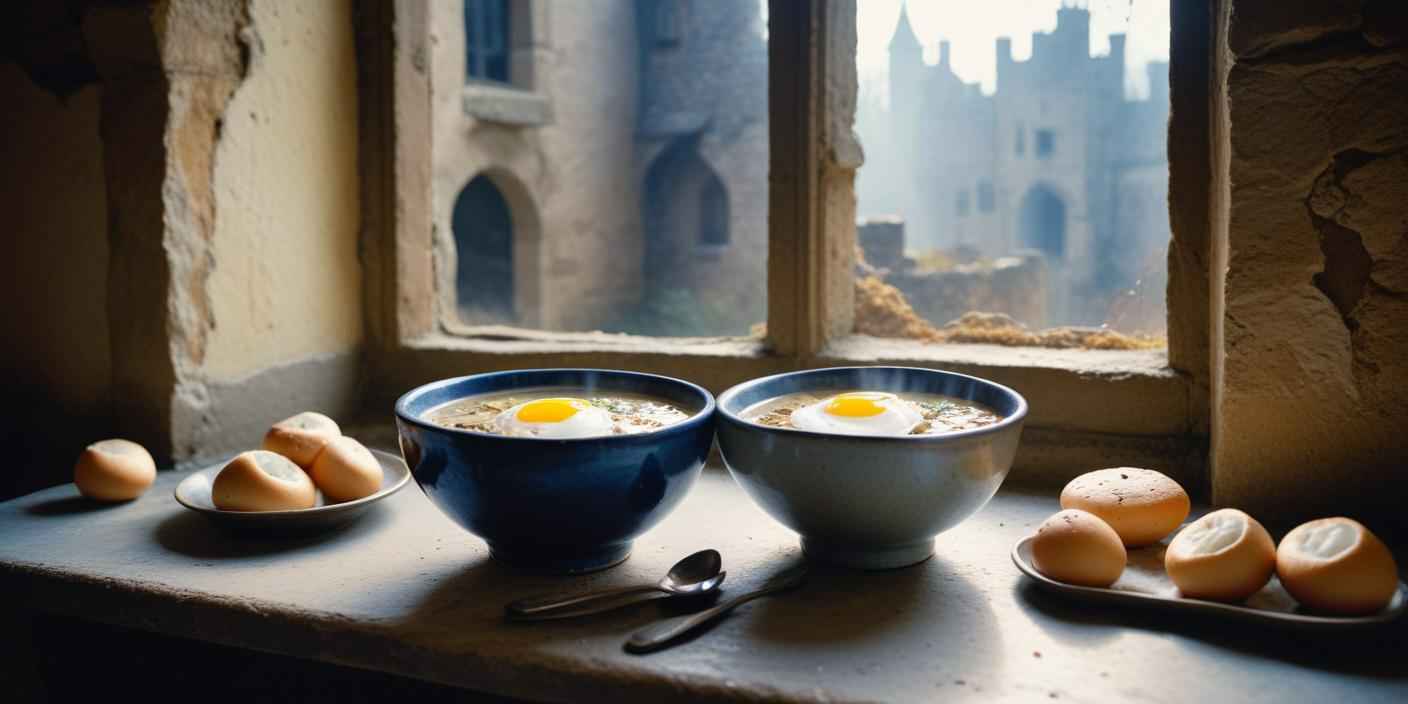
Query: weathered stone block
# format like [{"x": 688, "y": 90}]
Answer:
[
  {"x": 1261, "y": 26},
  {"x": 882, "y": 240}
]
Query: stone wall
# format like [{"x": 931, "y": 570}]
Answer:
[
  {"x": 570, "y": 182},
  {"x": 1310, "y": 415},
  {"x": 55, "y": 363},
  {"x": 882, "y": 239},
  {"x": 709, "y": 89},
  {"x": 185, "y": 259},
  {"x": 285, "y": 278},
  {"x": 1016, "y": 286}
]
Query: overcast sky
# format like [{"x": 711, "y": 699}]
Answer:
[{"x": 972, "y": 26}]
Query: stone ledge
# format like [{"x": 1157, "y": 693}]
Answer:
[
  {"x": 506, "y": 105},
  {"x": 405, "y": 591}
]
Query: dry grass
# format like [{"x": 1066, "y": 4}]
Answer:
[{"x": 882, "y": 311}]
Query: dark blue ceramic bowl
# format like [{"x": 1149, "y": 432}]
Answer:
[{"x": 557, "y": 505}]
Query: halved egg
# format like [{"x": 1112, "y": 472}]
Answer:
[
  {"x": 859, "y": 413},
  {"x": 554, "y": 418}
]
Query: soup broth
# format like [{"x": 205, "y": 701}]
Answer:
[
  {"x": 871, "y": 413},
  {"x": 591, "y": 413}
]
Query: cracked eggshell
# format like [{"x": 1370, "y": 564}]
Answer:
[
  {"x": 1076, "y": 547},
  {"x": 301, "y": 437},
  {"x": 114, "y": 470},
  {"x": 1142, "y": 505},
  {"x": 1225, "y": 556},
  {"x": 1338, "y": 566}
]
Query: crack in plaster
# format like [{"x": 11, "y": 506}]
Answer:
[
  {"x": 1346, "y": 274},
  {"x": 199, "y": 99}
]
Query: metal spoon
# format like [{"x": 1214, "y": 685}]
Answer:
[
  {"x": 695, "y": 575},
  {"x": 659, "y": 635}
]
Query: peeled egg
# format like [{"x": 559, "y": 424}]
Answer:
[
  {"x": 346, "y": 470},
  {"x": 1076, "y": 547},
  {"x": 114, "y": 470},
  {"x": 859, "y": 413},
  {"x": 301, "y": 437},
  {"x": 1336, "y": 565},
  {"x": 556, "y": 418},
  {"x": 1225, "y": 555},
  {"x": 259, "y": 480}
]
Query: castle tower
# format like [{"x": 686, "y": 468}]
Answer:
[{"x": 906, "y": 68}]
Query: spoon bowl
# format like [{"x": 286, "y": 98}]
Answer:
[{"x": 696, "y": 575}]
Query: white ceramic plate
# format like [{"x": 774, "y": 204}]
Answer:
[
  {"x": 1145, "y": 583},
  {"x": 194, "y": 493}
]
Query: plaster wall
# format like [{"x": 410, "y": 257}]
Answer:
[
  {"x": 574, "y": 176},
  {"x": 53, "y": 272},
  {"x": 1314, "y": 353},
  {"x": 286, "y": 282}
]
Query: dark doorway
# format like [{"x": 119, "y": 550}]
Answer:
[
  {"x": 686, "y": 211},
  {"x": 483, "y": 231},
  {"x": 1042, "y": 223}
]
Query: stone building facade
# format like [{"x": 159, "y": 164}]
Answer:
[
  {"x": 616, "y": 157},
  {"x": 1057, "y": 160}
]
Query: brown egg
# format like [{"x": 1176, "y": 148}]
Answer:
[
  {"x": 1077, "y": 547},
  {"x": 262, "y": 481},
  {"x": 1141, "y": 505},
  {"x": 1337, "y": 566},
  {"x": 1225, "y": 556},
  {"x": 346, "y": 471},
  {"x": 301, "y": 437},
  {"x": 114, "y": 470}
]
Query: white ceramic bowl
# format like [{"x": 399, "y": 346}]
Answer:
[{"x": 862, "y": 501}]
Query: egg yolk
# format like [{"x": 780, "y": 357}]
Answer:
[
  {"x": 855, "y": 405},
  {"x": 550, "y": 410}
]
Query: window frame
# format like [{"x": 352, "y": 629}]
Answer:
[{"x": 1140, "y": 407}]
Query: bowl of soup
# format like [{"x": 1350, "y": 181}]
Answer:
[
  {"x": 556, "y": 469},
  {"x": 869, "y": 464}
]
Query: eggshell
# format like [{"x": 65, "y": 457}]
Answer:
[
  {"x": 1225, "y": 556},
  {"x": 1076, "y": 547},
  {"x": 345, "y": 470},
  {"x": 301, "y": 437},
  {"x": 114, "y": 470},
  {"x": 1338, "y": 566},
  {"x": 259, "y": 480},
  {"x": 1141, "y": 505}
]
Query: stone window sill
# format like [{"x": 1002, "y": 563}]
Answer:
[
  {"x": 506, "y": 105},
  {"x": 406, "y": 591}
]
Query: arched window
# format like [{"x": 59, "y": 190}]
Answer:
[
  {"x": 686, "y": 212},
  {"x": 713, "y": 214},
  {"x": 483, "y": 230},
  {"x": 1042, "y": 222}
]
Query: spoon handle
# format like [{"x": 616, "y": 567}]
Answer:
[
  {"x": 558, "y": 606},
  {"x": 657, "y": 636}
]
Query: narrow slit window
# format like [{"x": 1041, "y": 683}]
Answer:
[
  {"x": 486, "y": 34},
  {"x": 1045, "y": 143}
]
